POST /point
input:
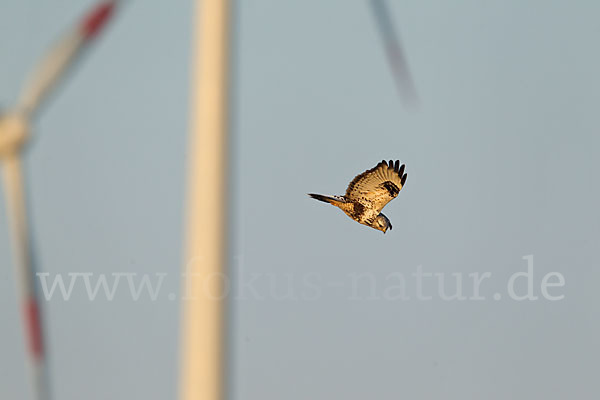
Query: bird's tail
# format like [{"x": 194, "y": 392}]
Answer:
[{"x": 335, "y": 200}]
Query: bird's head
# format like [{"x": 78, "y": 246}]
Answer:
[{"x": 382, "y": 223}]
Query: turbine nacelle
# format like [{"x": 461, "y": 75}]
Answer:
[{"x": 14, "y": 133}]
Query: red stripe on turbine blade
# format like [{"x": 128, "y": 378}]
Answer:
[
  {"x": 34, "y": 329},
  {"x": 96, "y": 19}
]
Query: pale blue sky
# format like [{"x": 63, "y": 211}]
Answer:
[{"x": 500, "y": 158}]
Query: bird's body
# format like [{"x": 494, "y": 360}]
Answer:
[{"x": 368, "y": 193}]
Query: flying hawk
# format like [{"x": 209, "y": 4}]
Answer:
[{"x": 368, "y": 193}]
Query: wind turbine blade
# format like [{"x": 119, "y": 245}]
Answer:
[
  {"x": 17, "y": 215},
  {"x": 394, "y": 52},
  {"x": 61, "y": 56}
]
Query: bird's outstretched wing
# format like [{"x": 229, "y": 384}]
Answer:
[{"x": 378, "y": 185}]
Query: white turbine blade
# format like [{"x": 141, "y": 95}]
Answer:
[
  {"x": 17, "y": 215},
  {"x": 47, "y": 73},
  {"x": 395, "y": 54},
  {"x": 61, "y": 56}
]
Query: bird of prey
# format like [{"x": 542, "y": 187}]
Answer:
[{"x": 368, "y": 193}]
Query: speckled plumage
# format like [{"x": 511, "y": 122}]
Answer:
[{"x": 368, "y": 193}]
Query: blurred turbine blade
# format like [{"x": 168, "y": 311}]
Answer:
[
  {"x": 61, "y": 56},
  {"x": 395, "y": 55},
  {"x": 17, "y": 215}
]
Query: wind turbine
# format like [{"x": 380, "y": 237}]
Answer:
[
  {"x": 14, "y": 134},
  {"x": 202, "y": 371}
]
